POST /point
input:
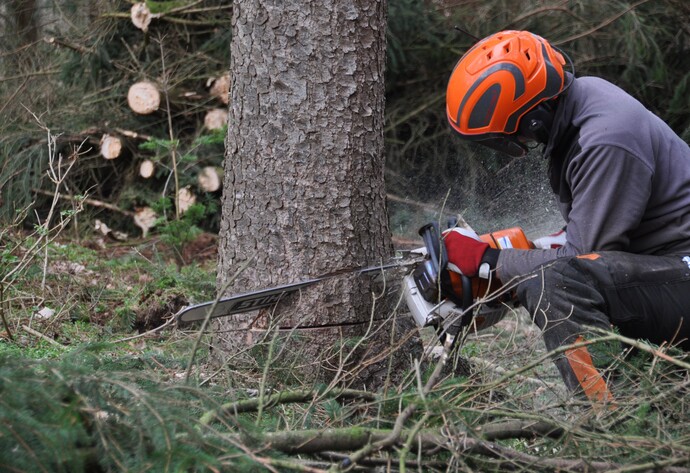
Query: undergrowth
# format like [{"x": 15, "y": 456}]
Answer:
[{"x": 101, "y": 408}]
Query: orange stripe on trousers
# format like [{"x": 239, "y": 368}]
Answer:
[{"x": 591, "y": 381}]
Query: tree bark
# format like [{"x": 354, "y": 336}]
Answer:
[{"x": 304, "y": 186}]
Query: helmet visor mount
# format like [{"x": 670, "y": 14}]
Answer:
[{"x": 503, "y": 143}]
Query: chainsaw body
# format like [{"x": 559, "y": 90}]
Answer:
[{"x": 446, "y": 300}]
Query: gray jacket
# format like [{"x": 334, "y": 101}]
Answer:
[{"x": 620, "y": 174}]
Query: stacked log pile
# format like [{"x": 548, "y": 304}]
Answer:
[{"x": 153, "y": 141}]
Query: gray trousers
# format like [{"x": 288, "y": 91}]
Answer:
[{"x": 644, "y": 296}]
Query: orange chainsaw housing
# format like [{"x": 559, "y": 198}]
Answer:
[{"x": 508, "y": 238}]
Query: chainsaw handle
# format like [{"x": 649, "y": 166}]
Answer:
[{"x": 435, "y": 248}]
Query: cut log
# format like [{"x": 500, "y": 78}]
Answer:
[
  {"x": 210, "y": 179},
  {"x": 216, "y": 119},
  {"x": 145, "y": 218},
  {"x": 144, "y": 98},
  {"x": 147, "y": 168},
  {"x": 111, "y": 147},
  {"x": 141, "y": 16},
  {"x": 185, "y": 199},
  {"x": 106, "y": 231},
  {"x": 220, "y": 87}
]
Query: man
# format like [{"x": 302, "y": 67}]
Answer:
[{"x": 622, "y": 180}]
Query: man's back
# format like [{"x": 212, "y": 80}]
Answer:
[{"x": 639, "y": 167}]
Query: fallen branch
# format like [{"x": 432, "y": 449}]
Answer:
[
  {"x": 66, "y": 44},
  {"x": 343, "y": 440},
  {"x": 394, "y": 436},
  {"x": 38, "y": 334},
  {"x": 515, "y": 429},
  {"x": 642, "y": 346},
  {"x": 92, "y": 202},
  {"x": 346, "y": 439},
  {"x": 285, "y": 397}
]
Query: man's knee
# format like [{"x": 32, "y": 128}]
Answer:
[
  {"x": 547, "y": 281},
  {"x": 565, "y": 289}
]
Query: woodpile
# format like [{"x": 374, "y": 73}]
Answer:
[{"x": 148, "y": 141}]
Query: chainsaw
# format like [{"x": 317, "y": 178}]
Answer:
[
  {"x": 452, "y": 302},
  {"x": 434, "y": 295}
]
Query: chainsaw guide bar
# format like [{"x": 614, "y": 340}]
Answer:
[{"x": 264, "y": 298}]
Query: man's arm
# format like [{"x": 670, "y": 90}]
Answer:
[{"x": 610, "y": 189}]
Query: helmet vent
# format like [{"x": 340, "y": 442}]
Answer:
[
  {"x": 527, "y": 55},
  {"x": 506, "y": 48}
]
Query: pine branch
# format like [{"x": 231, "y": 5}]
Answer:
[
  {"x": 285, "y": 397},
  {"x": 347, "y": 439},
  {"x": 92, "y": 202}
]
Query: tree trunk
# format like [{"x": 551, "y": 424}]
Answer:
[{"x": 304, "y": 187}]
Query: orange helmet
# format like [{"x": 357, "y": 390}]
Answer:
[{"x": 497, "y": 82}]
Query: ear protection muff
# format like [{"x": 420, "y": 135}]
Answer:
[{"x": 536, "y": 124}]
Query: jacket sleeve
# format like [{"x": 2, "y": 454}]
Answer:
[{"x": 610, "y": 190}]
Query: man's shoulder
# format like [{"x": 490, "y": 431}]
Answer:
[{"x": 608, "y": 116}]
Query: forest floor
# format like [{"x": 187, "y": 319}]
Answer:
[
  {"x": 91, "y": 317},
  {"x": 98, "y": 290}
]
